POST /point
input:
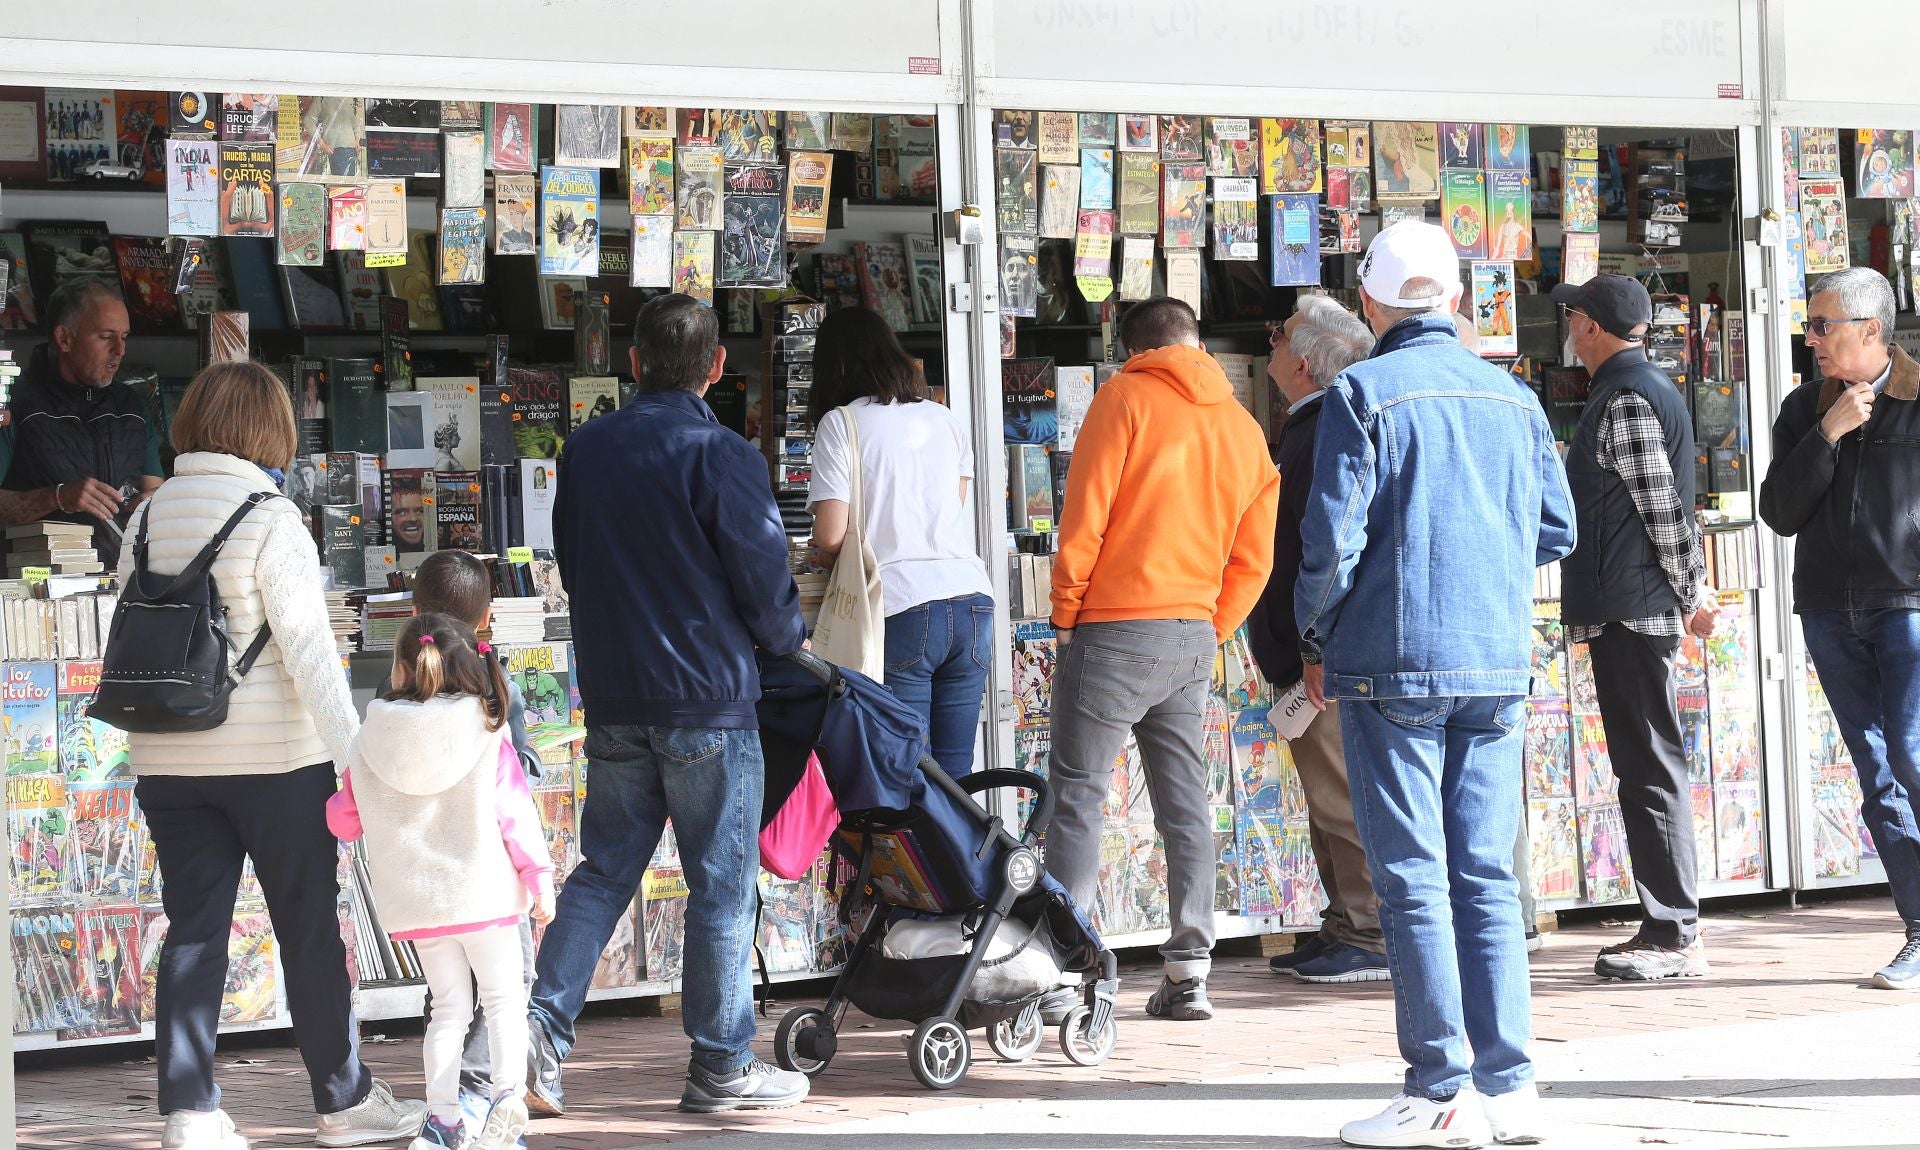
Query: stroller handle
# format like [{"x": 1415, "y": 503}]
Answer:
[
  {"x": 812, "y": 664},
  {"x": 990, "y": 780}
]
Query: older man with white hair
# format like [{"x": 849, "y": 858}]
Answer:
[
  {"x": 1318, "y": 342},
  {"x": 1844, "y": 483}
]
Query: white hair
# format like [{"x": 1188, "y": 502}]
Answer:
[
  {"x": 1329, "y": 337},
  {"x": 1864, "y": 294}
]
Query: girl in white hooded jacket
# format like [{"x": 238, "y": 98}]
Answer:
[{"x": 457, "y": 857}]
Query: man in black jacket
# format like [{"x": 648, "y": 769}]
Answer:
[
  {"x": 1845, "y": 484},
  {"x": 1316, "y": 344},
  {"x": 675, "y": 564},
  {"x": 79, "y": 447},
  {"x": 1630, "y": 590}
]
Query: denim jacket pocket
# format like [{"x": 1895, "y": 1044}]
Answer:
[{"x": 688, "y": 744}]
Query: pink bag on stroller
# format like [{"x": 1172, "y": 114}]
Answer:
[{"x": 793, "y": 841}]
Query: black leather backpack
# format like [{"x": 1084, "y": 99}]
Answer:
[{"x": 167, "y": 668}]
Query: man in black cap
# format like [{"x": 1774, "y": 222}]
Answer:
[{"x": 1632, "y": 588}]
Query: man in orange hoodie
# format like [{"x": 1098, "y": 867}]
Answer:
[{"x": 1166, "y": 542}]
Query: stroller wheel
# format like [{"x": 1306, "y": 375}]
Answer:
[
  {"x": 1018, "y": 1038},
  {"x": 940, "y": 1053},
  {"x": 1081, "y": 1048},
  {"x": 804, "y": 1041}
]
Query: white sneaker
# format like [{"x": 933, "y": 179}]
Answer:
[
  {"x": 201, "y": 1130},
  {"x": 380, "y": 1117},
  {"x": 1413, "y": 1121},
  {"x": 1515, "y": 1116}
]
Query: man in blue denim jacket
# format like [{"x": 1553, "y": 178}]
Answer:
[{"x": 1437, "y": 490}]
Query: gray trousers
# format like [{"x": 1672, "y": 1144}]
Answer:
[{"x": 1149, "y": 676}]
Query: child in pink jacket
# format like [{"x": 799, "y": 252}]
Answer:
[{"x": 457, "y": 858}]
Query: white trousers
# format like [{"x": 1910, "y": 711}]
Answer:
[{"x": 454, "y": 964}]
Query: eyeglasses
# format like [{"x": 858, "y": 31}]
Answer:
[
  {"x": 1820, "y": 326},
  {"x": 1276, "y": 331}
]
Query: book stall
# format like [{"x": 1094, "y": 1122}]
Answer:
[
  {"x": 1237, "y": 215},
  {"x": 446, "y": 288}
]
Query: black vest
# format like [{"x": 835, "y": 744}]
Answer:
[
  {"x": 1614, "y": 573},
  {"x": 62, "y": 433}
]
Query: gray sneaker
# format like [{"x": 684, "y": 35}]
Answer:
[
  {"x": 1184, "y": 1001},
  {"x": 755, "y": 1086},
  {"x": 1646, "y": 962},
  {"x": 380, "y": 1117}
]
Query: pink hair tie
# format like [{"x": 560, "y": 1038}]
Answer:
[
  {"x": 486, "y": 648},
  {"x": 426, "y": 640}
]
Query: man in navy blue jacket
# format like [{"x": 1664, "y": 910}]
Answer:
[{"x": 675, "y": 564}]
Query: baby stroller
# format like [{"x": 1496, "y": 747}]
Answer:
[{"x": 931, "y": 862}]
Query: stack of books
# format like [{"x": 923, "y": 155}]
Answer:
[
  {"x": 381, "y": 619},
  {"x": 59, "y": 548},
  {"x": 518, "y": 622},
  {"x": 344, "y": 621}
]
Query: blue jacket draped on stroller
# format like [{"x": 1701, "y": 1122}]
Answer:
[{"x": 924, "y": 849}]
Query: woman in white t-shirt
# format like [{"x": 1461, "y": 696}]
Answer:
[{"x": 916, "y": 464}]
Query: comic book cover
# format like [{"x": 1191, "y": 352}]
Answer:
[
  {"x": 31, "y": 716},
  {"x": 1059, "y": 200},
  {"x": 1018, "y": 196},
  {"x": 1790, "y": 168},
  {"x": 1732, "y": 665},
  {"x": 1237, "y": 677},
  {"x": 193, "y": 188},
  {"x": 1257, "y": 763},
  {"x": 1509, "y": 216},
  {"x": 1019, "y": 275},
  {"x": 1295, "y": 230},
  {"x": 140, "y": 134},
  {"x": 1580, "y": 143},
  {"x": 1706, "y": 840},
  {"x": 700, "y": 176},
  {"x": 1740, "y": 829},
  {"x": 570, "y": 221},
  {"x": 1603, "y": 842},
  {"x": 1823, "y": 210},
  {"x": 1035, "y": 654},
  {"x": 1236, "y": 219},
  {"x": 48, "y": 981},
  {"x": 253, "y": 970},
  {"x": 1263, "y": 883},
  {"x": 1229, "y": 147},
  {"x": 80, "y": 129},
  {"x": 37, "y": 833},
  {"x": 586, "y": 135},
  {"x": 650, "y": 175},
  {"x": 1579, "y": 257},
  {"x": 748, "y": 135},
  {"x": 1793, "y": 267},
  {"x": 463, "y": 170},
  {"x": 694, "y": 265},
  {"x": 1548, "y": 754},
  {"x": 104, "y": 844},
  {"x": 145, "y": 284},
  {"x": 1494, "y": 319},
  {"x": 1836, "y": 811},
  {"x": 89, "y": 749},
  {"x": 463, "y": 246},
  {"x": 1289, "y": 155},
  {"x": 510, "y": 129},
  {"x": 514, "y": 226},
  {"x": 1059, "y": 135},
  {"x": 1736, "y": 742},
  {"x": 1549, "y": 660},
  {"x": 753, "y": 238},
  {"x": 925, "y": 277},
  {"x": 1406, "y": 160},
  {"x": 1339, "y": 230},
  {"x": 108, "y": 954},
  {"x": 1305, "y": 896},
  {"x": 1593, "y": 780},
  {"x": 1819, "y": 153},
  {"x": 652, "y": 262},
  {"x": 809, "y": 187},
  {"x": 1031, "y": 748},
  {"x": 542, "y": 673},
  {"x": 852, "y": 132},
  {"x": 901, "y": 874},
  {"x": 1554, "y": 848},
  {"x": 321, "y": 138},
  {"x": 246, "y": 190},
  {"x": 1507, "y": 148},
  {"x": 1461, "y": 147},
  {"x": 619, "y": 964},
  {"x": 1696, "y": 739},
  {"x": 1463, "y": 207},
  {"x": 1113, "y": 904},
  {"x": 1580, "y": 197},
  {"x": 301, "y": 238},
  {"x": 883, "y": 281},
  {"x": 1136, "y": 267},
  {"x": 1180, "y": 139},
  {"x": 1184, "y": 202},
  {"x": 806, "y": 131},
  {"x": 1139, "y": 196},
  {"x": 787, "y": 928}
]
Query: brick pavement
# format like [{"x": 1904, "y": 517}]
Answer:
[{"x": 623, "y": 1080}]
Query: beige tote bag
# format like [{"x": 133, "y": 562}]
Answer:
[{"x": 852, "y": 631}]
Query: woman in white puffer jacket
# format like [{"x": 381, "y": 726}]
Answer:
[{"x": 256, "y": 786}]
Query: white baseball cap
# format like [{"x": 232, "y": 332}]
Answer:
[{"x": 1410, "y": 250}]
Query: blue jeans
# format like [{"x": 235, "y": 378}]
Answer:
[
  {"x": 937, "y": 657},
  {"x": 709, "y": 783},
  {"x": 1436, "y": 785},
  {"x": 1869, "y": 664}
]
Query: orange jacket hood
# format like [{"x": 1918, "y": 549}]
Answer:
[{"x": 1192, "y": 374}]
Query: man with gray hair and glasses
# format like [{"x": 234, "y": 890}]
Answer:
[
  {"x": 1318, "y": 342},
  {"x": 1845, "y": 484}
]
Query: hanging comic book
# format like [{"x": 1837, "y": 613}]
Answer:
[
  {"x": 753, "y": 240},
  {"x": 1461, "y": 147},
  {"x": 1548, "y": 753},
  {"x": 803, "y": 131},
  {"x": 1261, "y": 851},
  {"x": 1035, "y": 654},
  {"x": 1289, "y": 155},
  {"x": 586, "y": 135},
  {"x": 1184, "y": 200},
  {"x": 1706, "y": 839},
  {"x": 1603, "y": 845},
  {"x": 1406, "y": 160},
  {"x": 809, "y": 184},
  {"x": 1740, "y": 830},
  {"x": 1509, "y": 216},
  {"x": 1836, "y": 809},
  {"x": 109, "y": 972},
  {"x": 1554, "y": 846},
  {"x": 701, "y": 174},
  {"x": 515, "y": 220},
  {"x": 1295, "y": 239},
  {"x": 1819, "y": 153},
  {"x": 1494, "y": 317},
  {"x": 90, "y": 750},
  {"x": 569, "y": 221},
  {"x": 104, "y": 847},
  {"x": 653, "y": 248},
  {"x": 1736, "y": 742},
  {"x": 787, "y": 928},
  {"x": 1823, "y": 210},
  {"x": 253, "y": 970},
  {"x": 37, "y": 832},
  {"x": 1593, "y": 781},
  {"x": 32, "y": 716},
  {"x": 620, "y": 960},
  {"x": 1549, "y": 659},
  {"x": 748, "y": 135},
  {"x": 1257, "y": 764},
  {"x": 463, "y": 246},
  {"x": 48, "y": 983},
  {"x": 1507, "y": 149}
]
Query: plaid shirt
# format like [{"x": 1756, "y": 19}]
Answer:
[{"x": 1633, "y": 446}]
